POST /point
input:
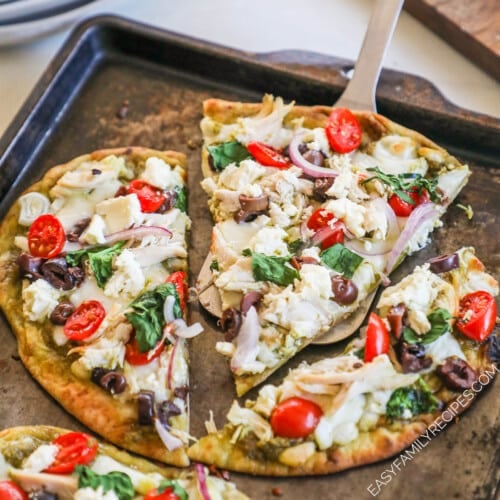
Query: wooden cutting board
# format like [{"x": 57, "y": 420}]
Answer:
[{"x": 470, "y": 26}]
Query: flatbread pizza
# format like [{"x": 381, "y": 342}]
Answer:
[
  {"x": 53, "y": 463},
  {"x": 422, "y": 359},
  {"x": 313, "y": 208},
  {"x": 93, "y": 265}
]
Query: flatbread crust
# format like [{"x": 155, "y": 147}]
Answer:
[
  {"x": 113, "y": 418},
  {"x": 374, "y": 127}
]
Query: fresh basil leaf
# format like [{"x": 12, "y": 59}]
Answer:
[
  {"x": 176, "y": 488},
  {"x": 416, "y": 400},
  {"x": 274, "y": 269},
  {"x": 146, "y": 315},
  {"x": 360, "y": 353},
  {"x": 246, "y": 252},
  {"x": 100, "y": 260},
  {"x": 226, "y": 153},
  {"x": 295, "y": 245},
  {"x": 404, "y": 182},
  {"x": 341, "y": 259},
  {"x": 180, "y": 200},
  {"x": 214, "y": 265},
  {"x": 439, "y": 326},
  {"x": 115, "y": 481}
]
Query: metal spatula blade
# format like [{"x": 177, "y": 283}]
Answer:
[{"x": 359, "y": 94}]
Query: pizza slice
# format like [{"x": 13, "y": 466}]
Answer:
[
  {"x": 53, "y": 463},
  {"x": 313, "y": 208},
  {"x": 93, "y": 262},
  {"x": 430, "y": 350}
]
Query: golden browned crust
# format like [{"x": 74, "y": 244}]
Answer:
[{"x": 113, "y": 418}]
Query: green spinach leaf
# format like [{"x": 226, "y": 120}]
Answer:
[
  {"x": 415, "y": 399},
  {"x": 176, "y": 488},
  {"x": 226, "y": 153},
  {"x": 341, "y": 259},
  {"x": 116, "y": 481},
  {"x": 180, "y": 200},
  {"x": 146, "y": 315},
  {"x": 274, "y": 269},
  {"x": 439, "y": 326},
  {"x": 100, "y": 260}
]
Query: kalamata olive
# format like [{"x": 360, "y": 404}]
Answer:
[
  {"x": 145, "y": 407},
  {"x": 112, "y": 381},
  {"x": 413, "y": 357},
  {"x": 395, "y": 318},
  {"x": 29, "y": 266},
  {"x": 169, "y": 202},
  {"x": 344, "y": 290},
  {"x": 250, "y": 299},
  {"x": 251, "y": 207},
  {"x": 61, "y": 312},
  {"x": 167, "y": 409},
  {"x": 492, "y": 347},
  {"x": 78, "y": 229},
  {"x": 321, "y": 186},
  {"x": 456, "y": 373},
  {"x": 55, "y": 271},
  {"x": 444, "y": 263},
  {"x": 181, "y": 392},
  {"x": 42, "y": 494},
  {"x": 230, "y": 323}
]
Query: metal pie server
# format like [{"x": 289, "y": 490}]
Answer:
[{"x": 359, "y": 94}]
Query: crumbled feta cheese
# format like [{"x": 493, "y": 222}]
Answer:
[
  {"x": 352, "y": 214},
  {"x": 105, "y": 353},
  {"x": 346, "y": 185},
  {"x": 39, "y": 300},
  {"x": 121, "y": 212},
  {"x": 127, "y": 278},
  {"x": 94, "y": 232},
  {"x": 89, "y": 493},
  {"x": 239, "y": 177},
  {"x": 162, "y": 175},
  {"x": 41, "y": 458},
  {"x": 269, "y": 241}
]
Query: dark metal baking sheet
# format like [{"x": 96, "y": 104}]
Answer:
[{"x": 161, "y": 79}]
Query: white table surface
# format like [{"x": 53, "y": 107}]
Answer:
[{"x": 332, "y": 27}]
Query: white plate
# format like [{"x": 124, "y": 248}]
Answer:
[{"x": 14, "y": 33}]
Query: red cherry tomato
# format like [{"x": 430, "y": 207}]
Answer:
[
  {"x": 135, "y": 357},
  {"x": 377, "y": 337},
  {"x": 75, "y": 448},
  {"x": 295, "y": 417},
  {"x": 85, "y": 320},
  {"x": 46, "y": 237},
  {"x": 268, "y": 156},
  {"x": 11, "y": 491},
  {"x": 150, "y": 197},
  {"x": 179, "y": 279},
  {"x": 327, "y": 233},
  {"x": 477, "y": 315},
  {"x": 402, "y": 208},
  {"x": 167, "y": 494},
  {"x": 343, "y": 130}
]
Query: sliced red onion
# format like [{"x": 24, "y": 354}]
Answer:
[
  {"x": 246, "y": 341},
  {"x": 325, "y": 232},
  {"x": 422, "y": 214},
  {"x": 378, "y": 247},
  {"x": 169, "y": 440},
  {"x": 137, "y": 233},
  {"x": 307, "y": 167},
  {"x": 168, "y": 309},
  {"x": 171, "y": 360},
  {"x": 202, "y": 481},
  {"x": 181, "y": 329},
  {"x": 168, "y": 333}
]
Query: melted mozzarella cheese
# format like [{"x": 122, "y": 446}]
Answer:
[
  {"x": 41, "y": 458},
  {"x": 39, "y": 300},
  {"x": 121, "y": 212},
  {"x": 160, "y": 174}
]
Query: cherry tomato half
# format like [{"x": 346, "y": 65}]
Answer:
[
  {"x": 150, "y": 197},
  {"x": 295, "y": 417},
  {"x": 343, "y": 130},
  {"x": 85, "y": 320},
  {"x": 377, "y": 338},
  {"x": 135, "y": 357},
  {"x": 11, "y": 491},
  {"x": 477, "y": 315},
  {"x": 75, "y": 448},
  {"x": 167, "y": 494},
  {"x": 327, "y": 233},
  {"x": 179, "y": 279},
  {"x": 46, "y": 236},
  {"x": 268, "y": 156},
  {"x": 403, "y": 208}
]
